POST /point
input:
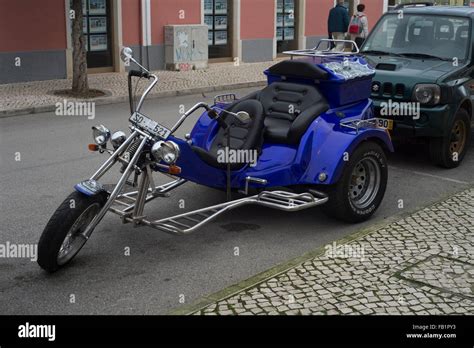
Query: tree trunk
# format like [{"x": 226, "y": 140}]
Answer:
[{"x": 80, "y": 84}]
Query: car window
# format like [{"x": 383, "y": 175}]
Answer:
[{"x": 440, "y": 36}]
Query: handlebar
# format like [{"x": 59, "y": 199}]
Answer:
[{"x": 139, "y": 73}]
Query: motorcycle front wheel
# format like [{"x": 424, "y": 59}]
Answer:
[{"x": 63, "y": 236}]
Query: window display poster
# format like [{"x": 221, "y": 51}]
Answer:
[
  {"x": 220, "y": 37},
  {"x": 289, "y": 33},
  {"x": 208, "y": 6},
  {"x": 289, "y": 6},
  {"x": 97, "y": 7},
  {"x": 279, "y": 34},
  {"x": 208, "y": 21},
  {"x": 220, "y": 6},
  {"x": 280, "y": 6},
  {"x": 98, "y": 42},
  {"x": 210, "y": 37},
  {"x": 279, "y": 20},
  {"x": 98, "y": 24},
  {"x": 220, "y": 22}
]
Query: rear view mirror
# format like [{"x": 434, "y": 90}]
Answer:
[{"x": 126, "y": 54}]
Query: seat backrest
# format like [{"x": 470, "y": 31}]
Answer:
[
  {"x": 462, "y": 33},
  {"x": 284, "y": 100},
  {"x": 445, "y": 30},
  {"x": 421, "y": 35},
  {"x": 298, "y": 69}
]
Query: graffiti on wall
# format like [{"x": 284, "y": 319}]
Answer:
[{"x": 186, "y": 50}]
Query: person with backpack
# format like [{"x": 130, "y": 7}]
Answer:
[
  {"x": 359, "y": 26},
  {"x": 338, "y": 21}
]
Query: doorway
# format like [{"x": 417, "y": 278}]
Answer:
[
  {"x": 286, "y": 24},
  {"x": 97, "y": 28},
  {"x": 218, "y": 15}
]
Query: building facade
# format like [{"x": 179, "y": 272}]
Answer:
[{"x": 35, "y": 36}]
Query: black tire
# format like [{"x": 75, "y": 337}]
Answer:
[
  {"x": 447, "y": 152},
  {"x": 60, "y": 224},
  {"x": 343, "y": 204}
]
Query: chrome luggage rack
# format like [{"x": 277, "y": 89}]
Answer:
[
  {"x": 227, "y": 98},
  {"x": 357, "y": 125},
  {"x": 325, "y": 53}
]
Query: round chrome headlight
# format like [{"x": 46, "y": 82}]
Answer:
[
  {"x": 166, "y": 151},
  {"x": 117, "y": 139},
  {"x": 100, "y": 134}
]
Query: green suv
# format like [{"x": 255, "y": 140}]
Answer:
[{"x": 424, "y": 81}]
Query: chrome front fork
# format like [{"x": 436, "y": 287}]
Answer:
[{"x": 123, "y": 179}]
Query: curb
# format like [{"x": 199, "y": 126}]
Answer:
[
  {"x": 123, "y": 99},
  {"x": 287, "y": 265}
]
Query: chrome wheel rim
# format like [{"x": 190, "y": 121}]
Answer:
[
  {"x": 75, "y": 240},
  {"x": 365, "y": 183}
]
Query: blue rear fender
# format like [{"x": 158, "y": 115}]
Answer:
[{"x": 326, "y": 145}]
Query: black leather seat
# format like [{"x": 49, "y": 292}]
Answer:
[
  {"x": 289, "y": 109},
  {"x": 281, "y": 113},
  {"x": 248, "y": 136}
]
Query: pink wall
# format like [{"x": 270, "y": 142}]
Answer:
[
  {"x": 25, "y": 26},
  {"x": 257, "y": 19},
  {"x": 131, "y": 22},
  {"x": 316, "y": 20},
  {"x": 373, "y": 10},
  {"x": 164, "y": 12}
]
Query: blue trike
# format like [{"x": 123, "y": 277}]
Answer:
[{"x": 307, "y": 139}]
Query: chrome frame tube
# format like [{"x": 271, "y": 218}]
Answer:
[
  {"x": 137, "y": 63},
  {"x": 116, "y": 191},
  {"x": 142, "y": 195},
  {"x": 186, "y": 114}
]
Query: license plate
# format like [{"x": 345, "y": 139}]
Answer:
[
  {"x": 149, "y": 125},
  {"x": 384, "y": 123}
]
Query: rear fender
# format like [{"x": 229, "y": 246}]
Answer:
[{"x": 328, "y": 147}]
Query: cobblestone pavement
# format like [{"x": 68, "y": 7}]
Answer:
[
  {"x": 422, "y": 264},
  {"x": 17, "y": 96}
]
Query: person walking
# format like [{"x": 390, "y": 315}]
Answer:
[
  {"x": 338, "y": 22},
  {"x": 359, "y": 26}
]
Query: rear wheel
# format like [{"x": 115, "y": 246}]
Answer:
[
  {"x": 360, "y": 190},
  {"x": 448, "y": 152},
  {"x": 63, "y": 237}
]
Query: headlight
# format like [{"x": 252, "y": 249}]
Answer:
[
  {"x": 100, "y": 135},
  {"x": 117, "y": 139},
  {"x": 167, "y": 151},
  {"x": 427, "y": 94}
]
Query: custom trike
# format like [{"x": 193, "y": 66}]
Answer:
[{"x": 307, "y": 139}]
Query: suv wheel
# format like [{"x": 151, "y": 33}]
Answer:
[{"x": 448, "y": 152}]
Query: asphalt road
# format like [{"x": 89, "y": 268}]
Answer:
[{"x": 162, "y": 270}]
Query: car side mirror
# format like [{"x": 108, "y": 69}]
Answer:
[{"x": 126, "y": 54}]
